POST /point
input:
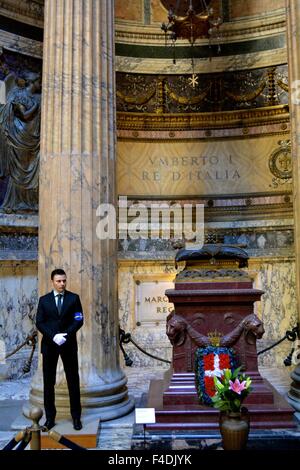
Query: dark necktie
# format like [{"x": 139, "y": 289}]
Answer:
[{"x": 59, "y": 303}]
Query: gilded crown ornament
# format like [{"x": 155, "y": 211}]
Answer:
[{"x": 214, "y": 338}]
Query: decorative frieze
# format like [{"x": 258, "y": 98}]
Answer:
[
  {"x": 219, "y": 92},
  {"x": 27, "y": 11},
  {"x": 17, "y": 242}
]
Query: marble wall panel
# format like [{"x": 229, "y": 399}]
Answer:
[
  {"x": 16, "y": 43},
  {"x": 278, "y": 307},
  {"x": 173, "y": 168},
  {"x": 18, "y": 302}
]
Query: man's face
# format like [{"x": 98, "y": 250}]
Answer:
[{"x": 59, "y": 282}]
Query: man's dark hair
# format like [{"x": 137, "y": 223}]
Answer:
[{"x": 59, "y": 272}]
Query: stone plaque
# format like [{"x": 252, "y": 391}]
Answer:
[
  {"x": 152, "y": 305},
  {"x": 223, "y": 166}
]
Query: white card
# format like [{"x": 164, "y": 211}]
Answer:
[{"x": 144, "y": 415}]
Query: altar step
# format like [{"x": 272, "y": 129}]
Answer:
[{"x": 278, "y": 415}]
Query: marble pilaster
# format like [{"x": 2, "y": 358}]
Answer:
[
  {"x": 77, "y": 174},
  {"x": 293, "y": 44}
]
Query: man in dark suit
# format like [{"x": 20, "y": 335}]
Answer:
[{"x": 59, "y": 317}]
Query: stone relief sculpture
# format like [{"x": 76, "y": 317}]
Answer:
[
  {"x": 178, "y": 327},
  {"x": 20, "y": 143}
]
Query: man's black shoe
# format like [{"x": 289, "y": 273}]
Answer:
[
  {"x": 49, "y": 423},
  {"x": 77, "y": 424}
]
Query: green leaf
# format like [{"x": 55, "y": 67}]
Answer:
[
  {"x": 248, "y": 382},
  {"x": 227, "y": 374},
  {"x": 236, "y": 373},
  {"x": 219, "y": 386},
  {"x": 224, "y": 407}
]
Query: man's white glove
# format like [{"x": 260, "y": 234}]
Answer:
[{"x": 59, "y": 338}]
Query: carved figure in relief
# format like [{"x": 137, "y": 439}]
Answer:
[
  {"x": 252, "y": 328},
  {"x": 20, "y": 143},
  {"x": 177, "y": 329}
]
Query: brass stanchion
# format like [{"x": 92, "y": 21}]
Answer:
[
  {"x": 20, "y": 436},
  {"x": 34, "y": 413}
]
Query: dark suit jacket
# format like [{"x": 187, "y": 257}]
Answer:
[{"x": 49, "y": 322}]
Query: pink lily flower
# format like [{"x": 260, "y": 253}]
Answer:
[{"x": 237, "y": 386}]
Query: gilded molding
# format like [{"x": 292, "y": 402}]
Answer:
[
  {"x": 278, "y": 26},
  {"x": 137, "y": 100},
  {"x": 240, "y": 98},
  {"x": 265, "y": 210},
  {"x": 26, "y": 46},
  {"x": 139, "y": 263},
  {"x": 275, "y": 206},
  {"x": 283, "y": 85},
  {"x": 188, "y": 100},
  {"x": 217, "y": 120},
  {"x": 26, "y": 11},
  {"x": 127, "y": 32}
]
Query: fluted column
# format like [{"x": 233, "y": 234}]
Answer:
[
  {"x": 77, "y": 173},
  {"x": 293, "y": 47}
]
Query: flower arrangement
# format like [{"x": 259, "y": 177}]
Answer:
[
  {"x": 209, "y": 362},
  {"x": 231, "y": 390}
]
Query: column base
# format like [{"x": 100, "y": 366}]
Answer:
[{"x": 106, "y": 402}]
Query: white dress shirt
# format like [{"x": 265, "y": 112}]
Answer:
[{"x": 56, "y": 298}]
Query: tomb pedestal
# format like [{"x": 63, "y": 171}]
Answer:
[{"x": 213, "y": 298}]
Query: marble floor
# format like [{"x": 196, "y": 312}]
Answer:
[{"x": 118, "y": 434}]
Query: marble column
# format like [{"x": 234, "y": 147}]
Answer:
[
  {"x": 293, "y": 47},
  {"x": 77, "y": 173}
]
